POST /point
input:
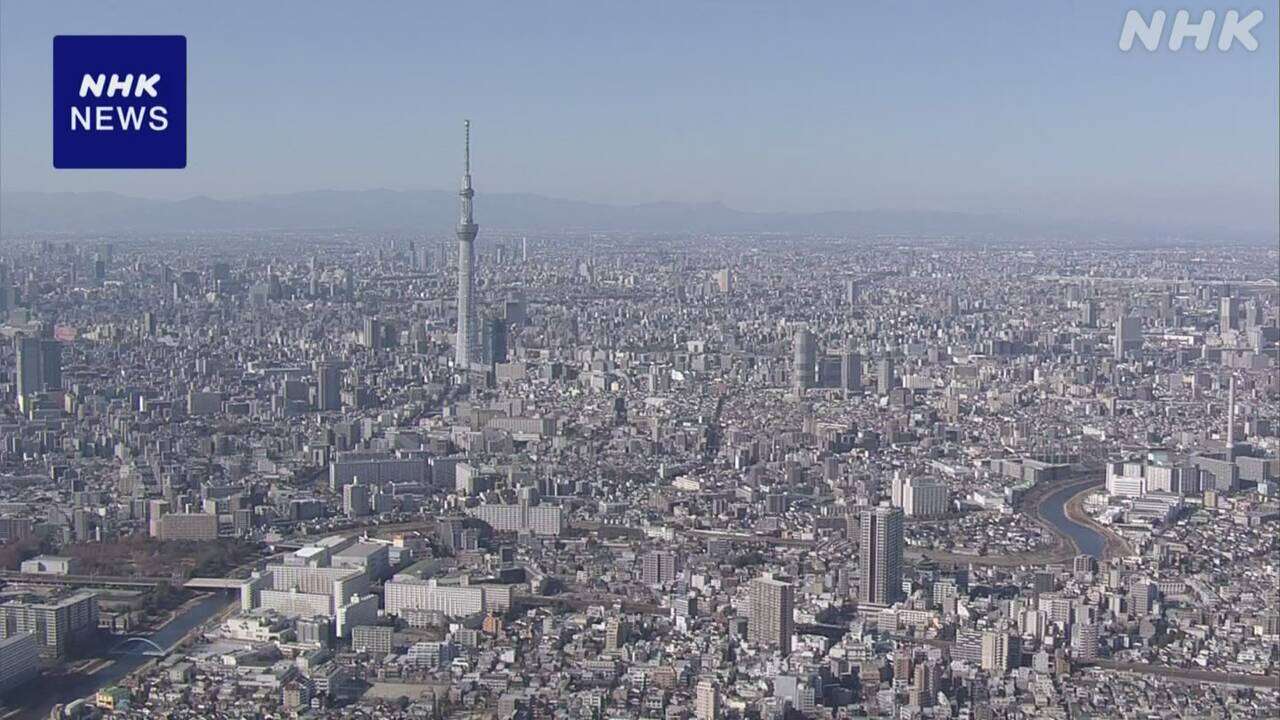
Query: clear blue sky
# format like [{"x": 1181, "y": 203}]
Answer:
[{"x": 1017, "y": 106}]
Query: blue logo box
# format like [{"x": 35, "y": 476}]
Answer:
[{"x": 119, "y": 101}]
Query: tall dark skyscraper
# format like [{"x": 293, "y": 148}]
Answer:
[
  {"x": 467, "y": 229},
  {"x": 372, "y": 334},
  {"x": 495, "y": 340},
  {"x": 1128, "y": 336},
  {"x": 27, "y": 368},
  {"x": 328, "y": 386},
  {"x": 51, "y": 364},
  {"x": 6, "y": 289},
  {"x": 804, "y": 360},
  {"x": 881, "y": 540},
  {"x": 1089, "y": 313},
  {"x": 38, "y": 366},
  {"x": 851, "y": 371}
]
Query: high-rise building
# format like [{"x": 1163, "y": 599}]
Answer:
[
  {"x": 1229, "y": 314},
  {"x": 494, "y": 341},
  {"x": 82, "y": 524},
  {"x": 19, "y": 660},
  {"x": 373, "y": 639},
  {"x": 924, "y": 497},
  {"x": 58, "y": 623},
  {"x": 516, "y": 311},
  {"x": 521, "y": 518},
  {"x": 467, "y": 230},
  {"x": 1089, "y": 313},
  {"x": 772, "y": 606},
  {"x": 1084, "y": 564},
  {"x": 884, "y": 376},
  {"x": 328, "y": 387},
  {"x": 904, "y": 660},
  {"x": 156, "y": 510},
  {"x": 1142, "y": 597},
  {"x": 723, "y": 280},
  {"x": 1253, "y": 314},
  {"x": 355, "y": 499},
  {"x": 1000, "y": 652},
  {"x": 851, "y": 291},
  {"x": 829, "y": 371},
  {"x": 805, "y": 360},
  {"x": 707, "y": 702},
  {"x": 615, "y": 634},
  {"x": 372, "y": 335},
  {"x": 431, "y": 654},
  {"x": 1084, "y": 641},
  {"x": 851, "y": 371},
  {"x": 659, "y": 568},
  {"x": 190, "y": 527},
  {"x": 1231, "y": 418},
  {"x": 926, "y": 678},
  {"x": 453, "y": 597},
  {"x": 295, "y": 590},
  {"x": 38, "y": 366},
  {"x": 6, "y": 289},
  {"x": 1128, "y": 336},
  {"x": 295, "y": 694},
  {"x": 14, "y": 529},
  {"x": 882, "y": 541}
]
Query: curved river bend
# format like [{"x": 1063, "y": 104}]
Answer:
[{"x": 1054, "y": 510}]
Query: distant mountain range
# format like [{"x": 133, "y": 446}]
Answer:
[{"x": 434, "y": 212}]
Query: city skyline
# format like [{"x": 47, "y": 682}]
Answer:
[
  {"x": 338, "y": 454},
  {"x": 836, "y": 475}
]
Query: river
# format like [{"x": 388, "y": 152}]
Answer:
[
  {"x": 1054, "y": 510},
  {"x": 64, "y": 689}
]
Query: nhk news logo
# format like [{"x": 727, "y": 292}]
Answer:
[{"x": 119, "y": 101}]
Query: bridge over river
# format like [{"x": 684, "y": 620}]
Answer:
[
  {"x": 140, "y": 645},
  {"x": 123, "y": 655}
]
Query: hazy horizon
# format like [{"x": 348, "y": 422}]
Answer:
[{"x": 993, "y": 108}]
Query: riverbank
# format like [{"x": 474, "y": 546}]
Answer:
[
  {"x": 1059, "y": 508},
  {"x": 1113, "y": 544},
  {"x": 86, "y": 678},
  {"x": 1062, "y": 511}
]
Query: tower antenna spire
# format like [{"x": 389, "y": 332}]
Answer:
[
  {"x": 466, "y": 147},
  {"x": 467, "y": 230}
]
